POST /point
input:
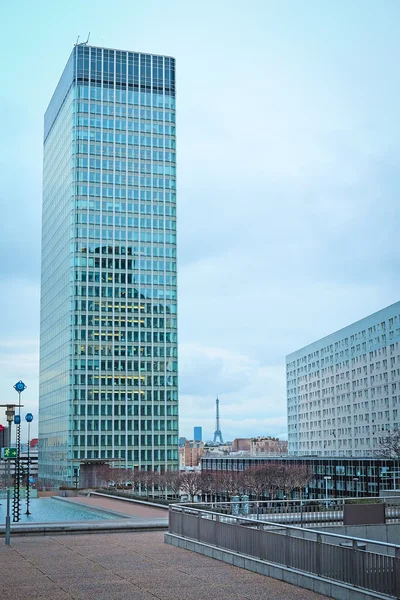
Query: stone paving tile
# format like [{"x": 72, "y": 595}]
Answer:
[
  {"x": 199, "y": 593},
  {"x": 27, "y": 593},
  {"x": 219, "y": 575},
  {"x": 61, "y": 578},
  {"x": 160, "y": 578},
  {"x": 127, "y": 566},
  {"x": 270, "y": 589},
  {"x": 32, "y": 540},
  {"x": 115, "y": 591}
]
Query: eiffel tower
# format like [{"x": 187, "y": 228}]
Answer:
[{"x": 217, "y": 432}]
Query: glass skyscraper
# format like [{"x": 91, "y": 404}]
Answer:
[{"x": 108, "y": 340}]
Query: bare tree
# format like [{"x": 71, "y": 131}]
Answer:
[
  {"x": 104, "y": 474},
  {"x": 229, "y": 483},
  {"x": 191, "y": 483},
  {"x": 246, "y": 480},
  {"x": 272, "y": 474},
  {"x": 258, "y": 481},
  {"x": 288, "y": 480},
  {"x": 160, "y": 482},
  {"x": 173, "y": 481},
  {"x": 207, "y": 483},
  {"x": 145, "y": 480},
  {"x": 120, "y": 476},
  {"x": 301, "y": 477}
]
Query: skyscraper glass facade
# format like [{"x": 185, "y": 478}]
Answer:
[{"x": 108, "y": 347}]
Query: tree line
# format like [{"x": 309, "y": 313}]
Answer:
[{"x": 266, "y": 481}]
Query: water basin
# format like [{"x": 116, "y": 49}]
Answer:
[{"x": 51, "y": 510}]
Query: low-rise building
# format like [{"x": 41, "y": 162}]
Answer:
[
  {"x": 268, "y": 445},
  {"x": 340, "y": 476},
  {"x": 190, "y": 454},
  {"x": 241, "y": 445}
]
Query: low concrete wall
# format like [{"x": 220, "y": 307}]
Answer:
[
  {"x": 389, "y": 494},
  {"x": 325, "y": 587},
  {"x": 82, "y": 527},
  {"x": 134, "y": 500},
  {"x": 381, "y": 533}
]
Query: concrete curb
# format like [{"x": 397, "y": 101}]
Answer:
[
  {"x": 84, "y": 527},
  {"x": 92, "y": 508},
  {"x": 143, "y": 502}
]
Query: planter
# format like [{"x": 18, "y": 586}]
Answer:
[{"x": 364, "y": 514}]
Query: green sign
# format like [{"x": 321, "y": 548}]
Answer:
[{"x": 8, "y": 453}]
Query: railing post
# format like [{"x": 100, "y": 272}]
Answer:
[
  {"x": 215, "y": 529},
  {"x": 287, "y": 547},
  {"x": 355, "y": 570},
  {"x": 183, "y": 522},
  {"x": 396, "y": 591},
  {"x": 318, "y": 556}
]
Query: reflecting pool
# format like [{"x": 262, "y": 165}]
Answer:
[{"x": 51, "y": 510}]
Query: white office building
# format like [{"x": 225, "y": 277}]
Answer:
[{"x": 343, "y": 391}]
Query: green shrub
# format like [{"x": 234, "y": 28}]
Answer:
[{"x": 365, "y": 501}]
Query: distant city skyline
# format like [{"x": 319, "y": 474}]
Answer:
[{"x": 288, "y": 179}]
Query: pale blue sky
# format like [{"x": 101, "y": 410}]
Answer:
[{"x": 288, "y": 150}]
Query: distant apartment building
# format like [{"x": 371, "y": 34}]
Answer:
[
  {"x": 3, "y": 436},
  {"x": 268, "y": 445},
  {"x": 343, "y": 391},
  {"x": 260, "y": 445},
  {"x": 241, "y": 445},
  {"x": 190, "y": 454}
]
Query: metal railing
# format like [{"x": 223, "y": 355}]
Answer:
[
  {"x": 349, "y": 560},
  {"x": 300, "y": 512}
]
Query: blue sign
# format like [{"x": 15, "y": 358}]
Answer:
[
  {"x": 17, "y": 419},
  {"x": 20, "y": 386},
  {"x": 31, "y": 480},
  {"x": 29, "y": 417}
]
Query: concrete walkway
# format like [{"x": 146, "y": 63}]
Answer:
[{"x": 126, "y": 566}]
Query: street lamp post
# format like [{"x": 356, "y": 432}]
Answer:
[
  {"x": 327, "y": 478},
  {"x": 19, "y": 388},
  {"x": 10, "y": 412},
  {"x": 28, "y": 419},
  {"x": 356, "y": 485}
]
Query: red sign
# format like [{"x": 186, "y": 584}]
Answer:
[{"x": 1, "y": 427}]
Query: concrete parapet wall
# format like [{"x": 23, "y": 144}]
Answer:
[
  {"x": 325, "y": 587},
  {"x": 124, "y": 499},
  {"x": 389, "y": 533}
]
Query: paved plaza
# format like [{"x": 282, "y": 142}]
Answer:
[{"x": 126, "y": 566}]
